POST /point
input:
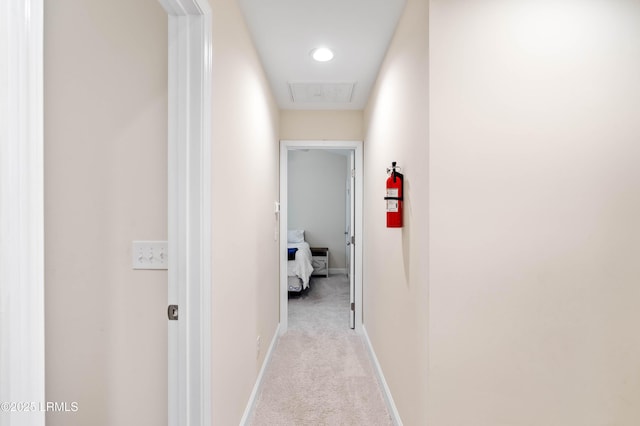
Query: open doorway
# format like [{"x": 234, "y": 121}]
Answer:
[{"x": 321, "y": 213}]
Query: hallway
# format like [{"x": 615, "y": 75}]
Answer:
[
  {"x": 320, "y": 371},
  {"x": 511, "y": 290}
]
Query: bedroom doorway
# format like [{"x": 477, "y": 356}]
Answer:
[{"x": 348, "y": 262}]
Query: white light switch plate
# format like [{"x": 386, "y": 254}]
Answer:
[{"x": 149, "y": 255}]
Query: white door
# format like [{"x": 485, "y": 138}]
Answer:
[
  {"x": 347, "y": 222},
  {"x": 351, "y": 241}
]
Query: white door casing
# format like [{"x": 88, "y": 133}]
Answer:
[
  {"x": 352, "y": 246},
  {"x": 189, "y": 215},
  {"x": 356, "y": 260},
  {"x": 22, "y": 361}
]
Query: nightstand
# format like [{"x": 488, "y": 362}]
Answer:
[{"x": 320, "y": 260}]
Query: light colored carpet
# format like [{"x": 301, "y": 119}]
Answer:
[{"x": 320, "y": 371}]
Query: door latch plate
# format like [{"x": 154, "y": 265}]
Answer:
[{"x": 172, "y": 312}]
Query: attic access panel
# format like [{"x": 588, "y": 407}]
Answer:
[{"x": 322, "y": 92}]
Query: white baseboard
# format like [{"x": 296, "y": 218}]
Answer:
[
  {"x": 393, "y": 410},
  {"x": 248, "y": 411}
]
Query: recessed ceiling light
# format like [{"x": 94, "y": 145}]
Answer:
[{"x": 322, "y": 54}]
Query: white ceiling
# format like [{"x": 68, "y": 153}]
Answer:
[{"x": 358, "y": 32}]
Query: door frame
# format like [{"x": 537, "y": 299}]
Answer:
[
  {"x": 351, "y": 236},
  {"x": 285, "y": 147},
  {"x": 189, "y": 210},
  {"x": 22, "y": 326}
]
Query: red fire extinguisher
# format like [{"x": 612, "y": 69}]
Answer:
[{"x": 394, "y": 197}]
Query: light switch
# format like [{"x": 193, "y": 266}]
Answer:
[{"x": 149, "y": 255}]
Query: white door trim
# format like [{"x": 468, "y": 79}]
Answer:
[
  {"x": 285, "y": 147},
  {"x": 189, "y": 216},
  {"x": 21, "y": 209}
]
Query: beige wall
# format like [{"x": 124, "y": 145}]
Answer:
[
  {"x": 105, "y": 164},
  {"x": 245, "y": 187},
  {"x": 395, "y": 260},
  {"x": 319, "y": 125},
  {"x": 535, "y": 200}
]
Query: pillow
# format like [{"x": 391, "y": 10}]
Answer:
[
  {"x": 295, "y": 236},
  {"x": 292, "y": 253}
]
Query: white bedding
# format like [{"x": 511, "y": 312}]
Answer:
[{"x": 301, "y": 267}]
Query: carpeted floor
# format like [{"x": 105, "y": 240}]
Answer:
[{"x": 320, "y": 371}]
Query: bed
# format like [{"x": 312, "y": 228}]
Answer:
[{"x": 299, "y": 267}]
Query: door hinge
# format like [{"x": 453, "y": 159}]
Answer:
[
  {"x": 353, "y": 306},
  {"x": 353, "y": 239},
  {"x": 172, "y": 312},
  {"x": 353, "y": 172}
]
